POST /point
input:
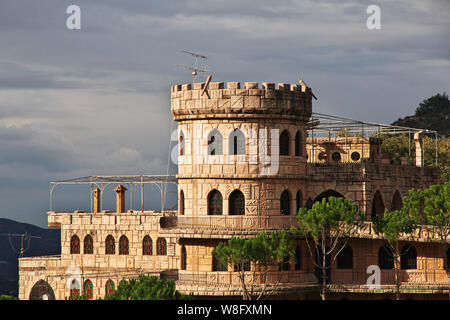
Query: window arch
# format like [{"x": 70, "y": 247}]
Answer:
[
  {"x": 183, "y": 258},
  {"x": 181, "y": 209},
  {"x": 385, "y": 257},
  {"x": 345, "y": 258},
  {"x": 236, "y": 143},
  {"x": 215, "y": 143},
  {"x": 215, "y": 203},
  {"x": 397, "y": 202},
  {"x": 110, "y": 245},
  {"x": 123, "y": 245},
  {"x": 377, "y": 205},
  {"x": 408, "y": 257},
  {"x": 327, "y": 194},
  {"x": 298, "y": 143},
  {"x": 88, "y": 245},
  {"x": 237, "y": 203},
  {"x": 309, "y": 203},
  {"x": 285, "y": 203},
  {"x": 74, "y": 244},
  {"x": 181, "y": 143},
  {"x": 147, "y": 246},
  {"x": 161, "y": 246},
  {"x": 298, "y": 200},
  {"x": 88, "y": 289},
  {"x": 298, "y": 258},
  {"x": 284, "y": 143},
  {"x": 42, "y": 291},
  {"x": 110, "y": 287},
  {"x": 74, "y": 289}
]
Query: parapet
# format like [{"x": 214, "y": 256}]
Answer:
[{"x": 231, "y": 100}]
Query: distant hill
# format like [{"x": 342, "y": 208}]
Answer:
[
  {"x": 48, "y": 244},
  {"x": 433, "y": 113}
]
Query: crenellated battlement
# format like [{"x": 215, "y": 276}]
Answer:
[{"x": 231, "y": 99}]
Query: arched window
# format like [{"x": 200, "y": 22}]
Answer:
[
  {"x": 123, "y": 245},
  {"x": 298, "y": 258},
  {"x": 215, "y": 203},
  {"x": 284, "y": 143},
  {"x": 110, "y": 245},
  {"x": 161, "y": 247},
  {"x": 74, "y": 289},
  {"x": 183, "y": 258},
  {"x": 217, "y": 266},
  {"x": 408, "y": 257},
  {"x": 309, "y": 203},
  {"x": 236, "y": 142},
  {"x": 42, "y": 291},
  {"x": 181, "y": 144},
  {"x": 147, "y": 246},
  {"x": 285, "y": 203},
  {"x": 345, "y": 258},
  {"x": 298, "y": 200},
  {"x": 74, "y": 245},
  {"x": 88, "y": 289},
  {"x": 327, "y": 194},
  {"x": 284, "y": 264},
  {"x": 237, "y": 203},
  {"x": 181, "y": 210},
  {"x": 110, "y": 287},
  {"x": 385, "y": 257},
  {"x": 298, "y": 143},
  {"x": 397, "y": 202},
  {"x": 215, "y": 142},
  {"x": 377, "y": 205},
  {"x": 88, "y": 245}
]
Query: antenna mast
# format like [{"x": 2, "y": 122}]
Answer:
[
  {"x": 25, "y": 237},
  {"x": 195, "y": 68}
]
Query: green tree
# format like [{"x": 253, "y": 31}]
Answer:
[
  {"x": 392, "y": 226},
  {"x": 432, "y": 208},
  {"x": 328, "y": 224},
  {"x": 146, "y": 288},
  {"x": 262, "y": 251}
]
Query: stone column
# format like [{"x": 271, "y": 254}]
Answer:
[
  {"x": 120, "y": 198},
  {"x": 418, "y": 139}
]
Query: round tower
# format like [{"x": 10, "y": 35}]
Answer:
[{"x": 241, "y": 150}]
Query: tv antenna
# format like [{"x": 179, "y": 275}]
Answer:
[
  {"x": 26, "y": 238},
  {"x": 196, "y": 69}
]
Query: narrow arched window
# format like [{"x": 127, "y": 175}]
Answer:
[
  {"x": 236, "y": 142},
  {"x": 284, "y": 264},
  {"x": 88, "y": 245},
  {"x": 298, "y": 143},
  {"x": 408, "y": 257},
  {"x": 215, "y": 203},
  {"x": 74, "y": 245},
  {"x": 397, "y": 202},
  {"x": 183, "y": 258},
  {"x": 298, "y": 200},
  {"x": 345, "y": 258},
  {"x": 385, "y": 257},
  {"x": 181, "y": 143},
  {"x": 123, "y": 245},
  {"x": 377, "y": 205},
  {"x": 110, "y": 245},
  {"x": 110, "y": 287},
  {"x": 161, "y": 247},
  {"x": 147, "y": 246},
  {"x": 285, "y": 203},
  {"x": 309, "y": 203},
  {"x": 237, "y": 203},
  {"x": 181, "y": 210},
  {"x": 74, "y": 289},
  {"x": 284, "y": 143},
  {"x": 298, "y": 258},
  {"x": 88, "y": 289},
  {"x": 215, "y": 143}
]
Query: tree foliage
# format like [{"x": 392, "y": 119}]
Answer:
[{"x": 146, "y": 288}]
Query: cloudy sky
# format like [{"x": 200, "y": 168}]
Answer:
[{"x": 95, "y": 101}]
